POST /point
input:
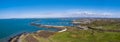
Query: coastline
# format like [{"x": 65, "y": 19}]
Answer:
[
  {"x": 74, "y": 31},
  {"x": 58, "y": 28}
]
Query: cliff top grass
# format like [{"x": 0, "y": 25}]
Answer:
[{"x": 75, "y": 35}]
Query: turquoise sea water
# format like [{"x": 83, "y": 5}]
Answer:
[{"x": 12, "y": 27}]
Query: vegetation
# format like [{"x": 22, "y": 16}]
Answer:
[
  {"x": 113, "y": 24},
  {"x": 75, "y": 35},
  {"x": 86, "y": 36}
]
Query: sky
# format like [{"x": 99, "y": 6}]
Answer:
[{"x": 59, "y": 8}]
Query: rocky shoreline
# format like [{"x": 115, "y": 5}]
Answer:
[
  {"x": 41, "y": 32},
  {"x": 15, "y": 38}
]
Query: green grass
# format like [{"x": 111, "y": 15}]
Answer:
[
  {"x": 108, "y": 24},
  {"x": 86, "y": 36},
  {"x": 76, "y": 35}
]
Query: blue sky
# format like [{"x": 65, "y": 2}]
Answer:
[{"x": 59, "y": 8}]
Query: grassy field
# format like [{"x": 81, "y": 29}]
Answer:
[
  {"x": 113, "y": 24},
  {"x": 75, "y": 35},
  {"x": 86, "y": 36}
]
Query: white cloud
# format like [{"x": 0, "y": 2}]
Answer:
[
  {"x": 80, "y": 13},
  {"x": 51, "y": 14}
]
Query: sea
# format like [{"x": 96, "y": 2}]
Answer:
[{"x": 12, "y": 27}]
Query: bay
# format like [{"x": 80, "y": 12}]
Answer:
[{"x": 12, "y": 27}]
